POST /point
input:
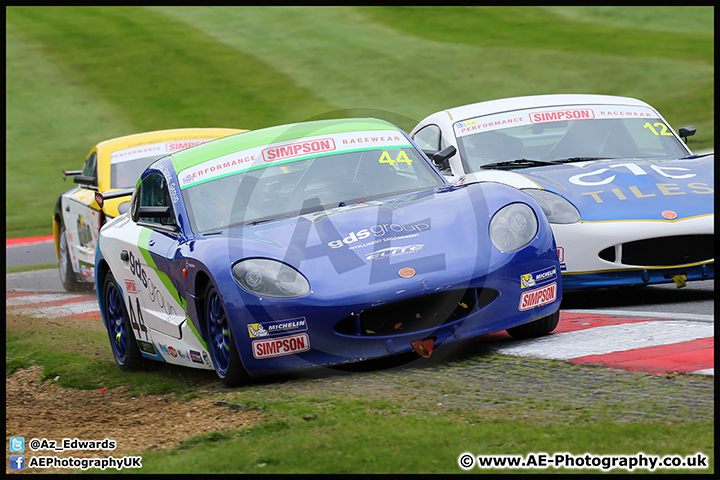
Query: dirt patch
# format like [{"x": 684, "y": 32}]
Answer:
[{"x": 37, "y": 409}]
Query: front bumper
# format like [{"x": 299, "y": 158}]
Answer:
[
  {"x": 623, "y": 253},
  {"x": 324, "y": 336}
]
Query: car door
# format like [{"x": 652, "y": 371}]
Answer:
[
  {"x": 81, "y": 218},
  {"x": 153, "y": 300}
]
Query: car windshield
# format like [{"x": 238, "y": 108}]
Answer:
[
  {"x": 127, "y": 164},
  {"x": 555, "y": 134},
  {"x": 286, "y": 188},
  {"x": 126, "y": 174}
]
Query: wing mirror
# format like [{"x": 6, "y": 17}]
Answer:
[
  {"x": 155, "y": 212},
  {"x": 84, "y": 180},
  {"x": 685, "y": 132},
  {"x": 70, "y": 173},
  {"x": 440, "y": 159}
]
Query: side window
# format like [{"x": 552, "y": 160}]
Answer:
[
  {"x": 153, "y": 192},
  {"x": 428, "y": 138},
  {"x": 90, "y": 167}
]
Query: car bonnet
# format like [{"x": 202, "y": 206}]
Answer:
[
  {"x": 429, "y": 239},
  {"x": 632, "y": 189}
]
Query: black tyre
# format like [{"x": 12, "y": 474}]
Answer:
[
  {"x": 67, "y": 274},
  {"x": 222, "y": 344},
  {"x": 122, "y": 339},
  {"x": 538, "y": 328}
]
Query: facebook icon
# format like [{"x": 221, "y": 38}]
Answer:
[{"x": 17, "y": 462}]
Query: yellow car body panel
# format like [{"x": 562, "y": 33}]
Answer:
[{"x": 78, "y": 215}]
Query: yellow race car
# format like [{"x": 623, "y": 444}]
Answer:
[{"x": 106, "y": 183}]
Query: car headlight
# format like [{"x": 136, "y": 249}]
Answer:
[
  {"x": 556, "y": 208},
  {"x": 270, "y": 278},
  {"x": 513, "y": 227}
]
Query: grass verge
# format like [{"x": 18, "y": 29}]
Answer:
[{"x": 416, "y": 418}]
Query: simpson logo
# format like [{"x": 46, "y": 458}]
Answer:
[
  {"x": 297, "y": 149},
  {"x": 280, "y": 327},
  {"x": 560, "y": 115},
  {"x": 530, "y": 280},
  {"x": 536, "y": 298},
  {"x": 183, "y": 144},
  {"x": 277, "y": 347}
]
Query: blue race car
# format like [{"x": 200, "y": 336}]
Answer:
[{"x": 317, "y": 244}]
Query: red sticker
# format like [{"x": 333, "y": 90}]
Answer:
[{"x": 538, "y": 297}]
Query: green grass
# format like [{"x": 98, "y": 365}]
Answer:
[
  {"x": 311, "y": 435},
  {"x": 79, "y": 75},
  {"x": 82, "y": 360},
  {"x": 29, "y": 268},
  {"x": 309, "y": 429}
]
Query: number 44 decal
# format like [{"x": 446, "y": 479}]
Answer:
[
  {"x": 138, "y": 326},
  {"x": 401, "y": 158}
]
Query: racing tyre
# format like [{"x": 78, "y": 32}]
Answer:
[
  {"x": 538, "y": 328},
  {"x": 67, "y": 275},
  {"x": 122, "y": 339},
  {"x": 223, "y": 350}
]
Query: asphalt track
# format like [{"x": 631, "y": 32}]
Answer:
[{"x": 657, "y": 329}]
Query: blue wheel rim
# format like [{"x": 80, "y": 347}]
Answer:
[
  {"x": 219, "y": 333},
  {"x": 116, "y": 322}
]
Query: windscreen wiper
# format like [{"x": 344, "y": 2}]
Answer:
[
  {"x": 580, "y": 159},
  {"x": 261, "y": 220},
  {"x": 518, "y": 163}
]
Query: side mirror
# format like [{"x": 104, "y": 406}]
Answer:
[
  {"x": 101, "y": 197},
  {"x": 156, "y": 212},
  {"x": 685, "y": 132},
  {"x": 444, "y": 154},
  {"x": 82, "y": 179},
  {"x": 70, "y": 173},
  {"x": 441, "y": 158}
]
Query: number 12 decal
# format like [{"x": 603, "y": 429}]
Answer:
[{"x": 662, "y": 126}]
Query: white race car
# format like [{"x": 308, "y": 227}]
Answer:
[{"x": 628, "y": 202}]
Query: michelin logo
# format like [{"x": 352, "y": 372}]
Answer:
[
  {"x": 258, "y": 330},
  {"x": 530, "y": 280}
]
